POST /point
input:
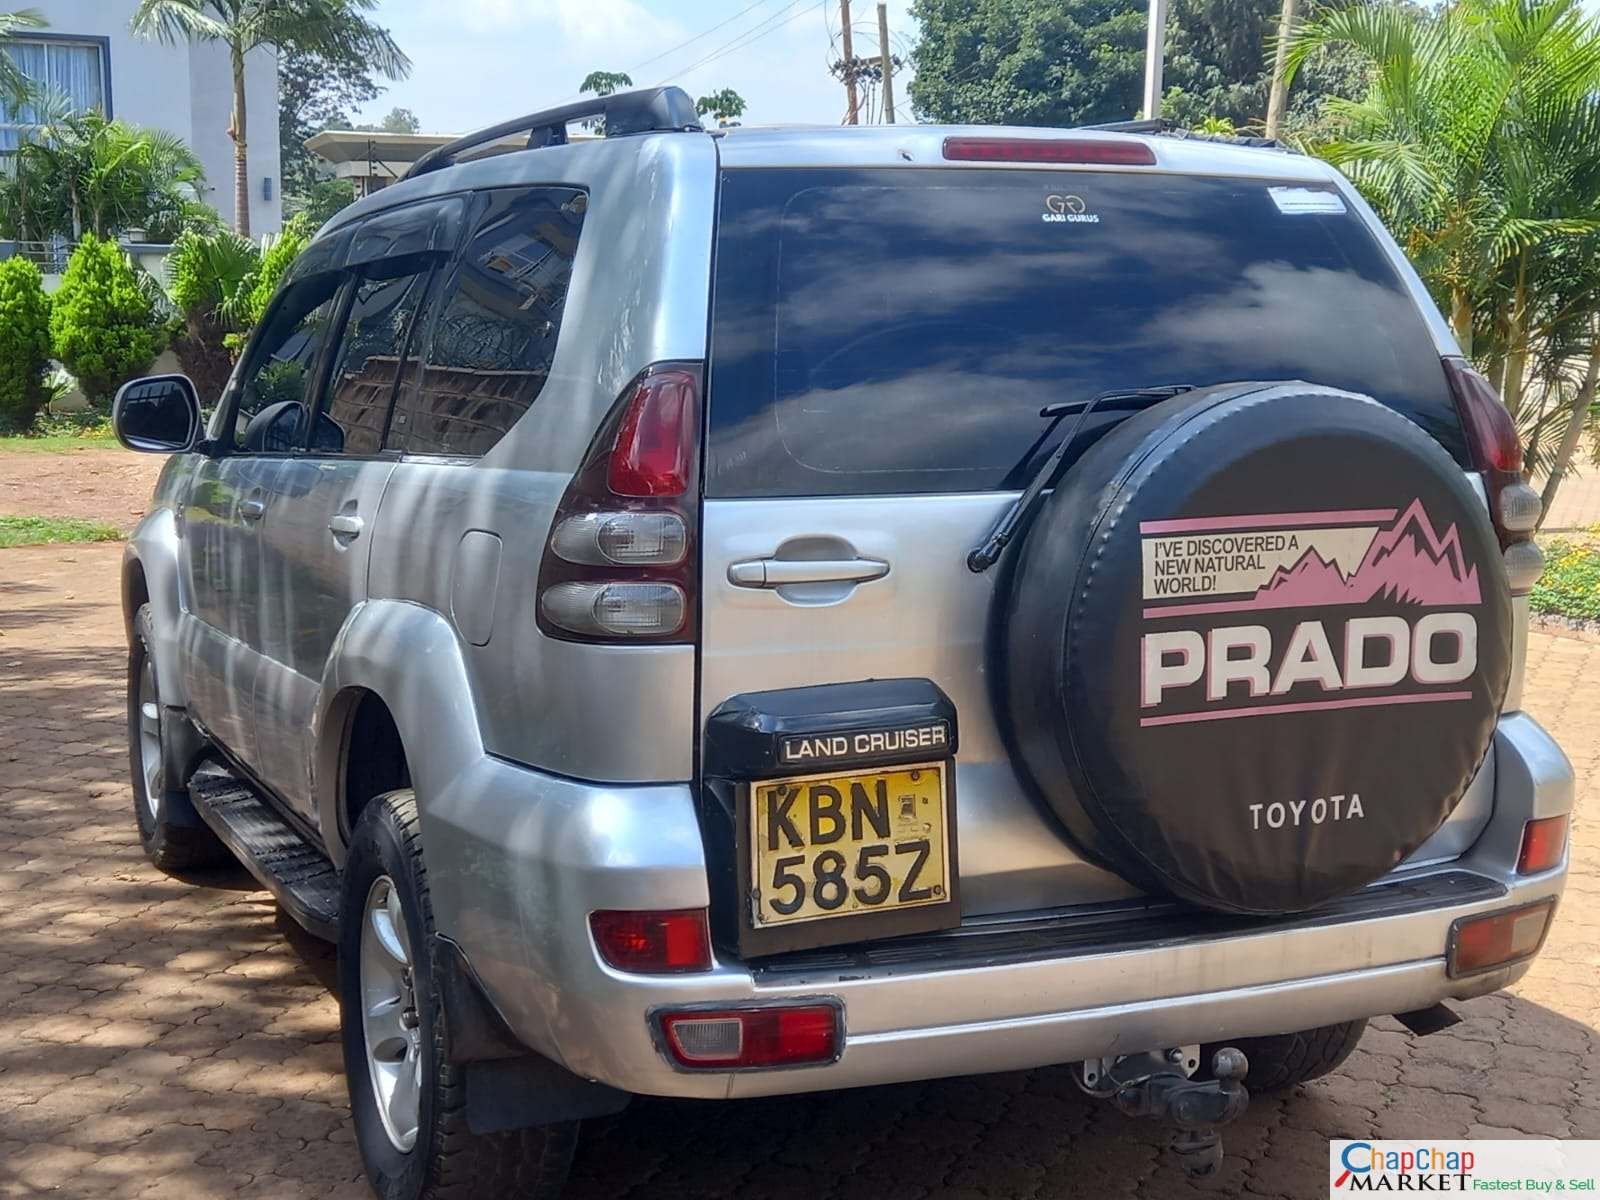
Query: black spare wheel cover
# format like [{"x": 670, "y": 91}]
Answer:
[{"x": 1255, "y": 644}]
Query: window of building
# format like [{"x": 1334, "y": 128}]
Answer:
[
  {"x": 492, "y": 343},
  {"x": 73, "y": 68}
]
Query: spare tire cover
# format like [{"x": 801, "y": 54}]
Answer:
[{"x": 1255, "y": 644}]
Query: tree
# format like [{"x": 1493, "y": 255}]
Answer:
[
  {"x": 206, "y": 278},
  {"x": 102, "y": 325},
  {"x": 604, "y": 83},
  {"x": 24, "y": 343},
  {"x": 319, "y": 203},
  {"x": 16, "y": 89},
  {"x": 1072, "y": 62},
  {"x": 86, "y": 174},
  {"x": 315, "y": 92},
  {"x": 396, "y": 120},
  {"x": 722, "y": 106},
  {"x": 336, "y": 29},
  {"x": 1478, "y": 142},
  {"x": 1218, "y": 65},
  {"x": 1028, "y": 62},
  {"x": 400, "y": 120}
]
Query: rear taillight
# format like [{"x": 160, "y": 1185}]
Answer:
[
  {"x": 1544, "y": 841},
  {"x": 1496, "y": 452},
  {"x": 620, "y": 561},
  {"x": 738, "y": 1038},
  {"x": 1101, "y": 151}
]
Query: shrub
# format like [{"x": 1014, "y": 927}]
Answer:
[
  {"x": 1570, "y": 585},
  {"x": 261, "y": 285},
  {"x": 206, "y": 276},
  {"x": 276, "y": 260},
  {"x": 102, "y": 324},
  {"x": 24, "y": 343}
]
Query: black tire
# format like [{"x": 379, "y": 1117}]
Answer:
[
  {"x": 1289, "y": 1059},
  {"x": 174, "y": 837},
  {"x": 446, "y": 1160}
]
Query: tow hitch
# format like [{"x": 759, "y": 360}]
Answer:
[{"x": 1159, "y": 1084}]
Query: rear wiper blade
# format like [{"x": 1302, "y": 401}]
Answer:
[{"x": 1005, "y": 530}]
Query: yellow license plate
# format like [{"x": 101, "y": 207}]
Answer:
[{"x": 840, "y": 845}]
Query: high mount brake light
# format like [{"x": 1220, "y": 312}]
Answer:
[
  {"x": 1496, "y": 450},
  {"x": 619, "y": 565},
  {"x": 1101, "y": 151}
]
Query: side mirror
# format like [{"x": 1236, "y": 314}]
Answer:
[{"x": 159, "y": 414}]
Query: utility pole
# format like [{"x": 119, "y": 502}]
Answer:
[
  {"x": 1155, "y": 49},
  {"x": 885, "y": 63},
  {"x": 1278, "y": 96},
  {"x": 854, "y": 117}
]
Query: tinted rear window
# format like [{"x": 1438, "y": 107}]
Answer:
[{"x": 898, "y": 331}]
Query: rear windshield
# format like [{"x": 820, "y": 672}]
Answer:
[{"x": 898, "y": 331}]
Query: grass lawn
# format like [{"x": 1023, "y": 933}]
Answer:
[
  {"x": 1570, "y": 585},
  {"x": 55, "y": 443},
  {"x": 48, "y": 531}
]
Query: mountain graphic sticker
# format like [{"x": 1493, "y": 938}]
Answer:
[{"x": 1300, "y": 560}]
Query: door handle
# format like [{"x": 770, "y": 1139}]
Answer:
[
  {"x": 346, "y": 526},
  {"x": 253, "y": 509},
  {"x": 782, "y": 572}
]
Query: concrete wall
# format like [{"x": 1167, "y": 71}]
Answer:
[{"x": 187, "y": 90}]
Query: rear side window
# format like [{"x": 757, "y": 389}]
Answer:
[
  {"x": 490, "y": 346},
  {"x": 898, "y": 331},
  {"x": 369, "y": 355}
]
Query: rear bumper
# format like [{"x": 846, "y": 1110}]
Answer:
[{"x": 518, "y": 860}]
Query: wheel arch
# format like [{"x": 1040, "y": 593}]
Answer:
[
  {"x": 150, "y": 576},
  {"x": 396, "y": 671}
]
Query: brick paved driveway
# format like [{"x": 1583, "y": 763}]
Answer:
[{"x": 177, "y": 1040}]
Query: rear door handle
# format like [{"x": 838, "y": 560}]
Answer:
[
  {"x": 346, "y": 526},
  {"x": 782, "y": 572}
]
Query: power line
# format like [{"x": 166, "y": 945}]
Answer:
[
  {"x": 754, "y": 34},
  {"x": 688, "y": 42},
  {"x": 704, "y": 33}
]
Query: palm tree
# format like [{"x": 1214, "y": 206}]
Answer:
[
  {"x": 335, "y": 29},
  {"x": 1479, "y": 144},
  {"x": 16, "y": 88},
  {"x": 82, "y": 173}
]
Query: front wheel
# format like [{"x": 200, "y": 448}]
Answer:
[
  {"x": 172, "y": 834},
  {"x": 407, "y": 1099}
]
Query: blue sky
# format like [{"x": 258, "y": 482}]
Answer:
[{"x": 479, "y": 61}]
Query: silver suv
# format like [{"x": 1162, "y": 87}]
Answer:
[{"x": 730, "y": 614}]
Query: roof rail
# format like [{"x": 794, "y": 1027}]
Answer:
[
  {"x": 1166, "y": 127},
  {"x": 646, "y": 110}
]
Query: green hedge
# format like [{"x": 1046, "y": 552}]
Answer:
[
  {"x": 24, "y": 344},
  {"x": 102, "y": 325}
]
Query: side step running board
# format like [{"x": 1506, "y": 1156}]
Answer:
[{"x": 297, "y": 873}]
